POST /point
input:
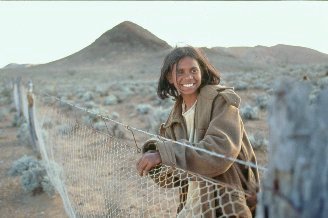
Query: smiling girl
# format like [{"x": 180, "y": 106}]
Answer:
[{"x": 205, "y": 115}]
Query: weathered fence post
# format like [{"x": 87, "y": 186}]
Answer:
[
  {"x": 18, "y": 97},
  {"x": 296, "y": 183},
  {"x": 31, "y": 117}
]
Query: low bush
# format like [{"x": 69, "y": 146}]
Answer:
[
  {"x": 258, "y": 141},
  {"x": 87, "y": 96},
  {"x": 110, "y": 127},
  {"x": 101, "y": 90},
  {"x": 23, "y": 164},
  {"x": 143, "y": 109},
  {"x": 90, "y": 105},
  {"x": 250, "y": 113},
  {"x": 124, "y": 94},
  {"x": 113, "y": 128},
  {"x": 33, "y": 175},
  {"x": 110, "y": 100},
  {"x": 158, "y": 117},
  {"x": 240, "y": 85},
  {"x": 260, "y": 85},
  {"x": 262, "y": 101}
]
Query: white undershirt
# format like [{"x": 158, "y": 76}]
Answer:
[
  {"x": 192, "y": 207},
  {"x": 189, "y": 117}
]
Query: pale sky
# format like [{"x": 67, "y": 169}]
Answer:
[{"x": 40, "y": 32}]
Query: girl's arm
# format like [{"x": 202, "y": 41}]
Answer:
[{"x": 164, "y": 176}]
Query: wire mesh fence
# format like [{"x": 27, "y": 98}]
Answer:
[{"x": 91, "y": 162}]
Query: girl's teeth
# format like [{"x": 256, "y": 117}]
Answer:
[{"x": 187, "y": 85}]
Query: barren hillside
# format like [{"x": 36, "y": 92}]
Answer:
[{"x": 128, "y": 51}]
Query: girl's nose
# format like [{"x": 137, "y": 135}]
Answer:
[{"x": 189, "y": 76}]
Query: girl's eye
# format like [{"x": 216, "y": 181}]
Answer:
[{"x": 194, "y": 70}]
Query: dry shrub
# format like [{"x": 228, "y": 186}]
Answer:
[{"x": 33, "y": 175}]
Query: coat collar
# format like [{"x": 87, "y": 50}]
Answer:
[{"x": 205, "y": 99}]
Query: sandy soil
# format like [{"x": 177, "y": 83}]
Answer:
[{"x": 14, "y": 201}]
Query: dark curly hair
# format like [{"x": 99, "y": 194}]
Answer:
[{"x": 210, "y": 75}]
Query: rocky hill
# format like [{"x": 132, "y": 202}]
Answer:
[
  {"x": 128, "y": 50},
  {"x": 125, "y": 41},
  {"x": 126, "y": 46}
]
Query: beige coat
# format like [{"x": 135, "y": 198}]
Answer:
[{"x": 219, "y": 129}]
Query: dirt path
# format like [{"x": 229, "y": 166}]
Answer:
[{"x": 14, "y": 202}]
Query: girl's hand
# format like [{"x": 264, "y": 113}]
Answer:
[{"x": 148, "y": 161}]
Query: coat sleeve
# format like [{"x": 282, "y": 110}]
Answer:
[
  {"x": 164, "y": 176},
  {"x": 223, "y": 136}
]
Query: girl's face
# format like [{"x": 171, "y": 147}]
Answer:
[{"x": 186, "y": 77}]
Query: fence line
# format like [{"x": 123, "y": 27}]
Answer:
[
  {"x": 76, "y": 156},
  {"x": 249, "y": 164}
]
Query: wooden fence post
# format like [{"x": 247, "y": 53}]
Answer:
[
  {"x": 31, "y": 116},
  {"x": 18, "y": 96},
  {"x": 296, "y": 183}
]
